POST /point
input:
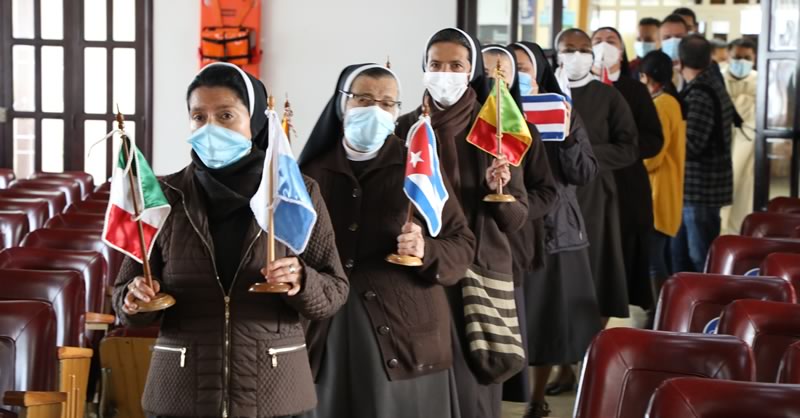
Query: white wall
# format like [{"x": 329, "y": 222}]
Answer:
[{"x": 306, "y": 45}]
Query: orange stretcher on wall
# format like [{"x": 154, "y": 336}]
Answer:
[{"x": 230, "y": 31}]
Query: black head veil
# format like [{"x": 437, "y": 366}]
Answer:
[
  {"x": 514, "y": 87},
  {"x": 545, "y": 77},
  {"x": 625, "y": 66},
  {"x": 478, "y": 80}
]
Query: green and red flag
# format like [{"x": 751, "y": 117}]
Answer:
[
  {"x": 516, "y": 135},
  {"x": 121, "y": 230}
]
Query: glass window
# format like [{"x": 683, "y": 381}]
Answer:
[
  {"x": 52, "y": 19},
  {"x": 125, "y": 20},
  {"x": 779, "y": 158},
  {"x": 22, "y": 19},
  {"x": 24, "y": 147},
  {"x": 24, "y": 76},
  {"x": 628, "y": 22},
  {"x": 53, "y": 145},
  {"x": 95, "y": 80},
  {"x": 494, "y": 17},
  {"x": 52, "y": 79},
  {"x": 750, "y": 21},
  {"x": 95, "y": 27},
  {"x": 783, "y": 36},
  {"x": 95, "y": 153},
  {"x": 781, "y": 94},
  {"x": 125, "y": 80}
]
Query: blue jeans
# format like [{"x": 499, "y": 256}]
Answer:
[{"x": 700, "y": 226}]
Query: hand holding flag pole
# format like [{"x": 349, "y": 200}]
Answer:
[
  {"x": 160, "y": 301},
  {"x": 499, "y": 81},
  {"x": 267, "y": 287}
]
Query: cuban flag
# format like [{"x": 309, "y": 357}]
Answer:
[
  {"x": 424, "y": 184},
  {"x": 293, "y": 211},
  {"x": 550, "y": 114}
]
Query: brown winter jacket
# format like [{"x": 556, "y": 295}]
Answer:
[{"x": 215, "y": 352}]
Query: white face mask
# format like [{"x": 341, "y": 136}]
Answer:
[
  {"x": 576, "y": 64},
  {"x": 446, "y": 88},
  {"x": 606, "y": 55}
]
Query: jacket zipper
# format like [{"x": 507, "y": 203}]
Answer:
[
  {"x": 227, "y": 298},
  {"x": 181, "y": 350},
  {"x": 273, "y": 352}
]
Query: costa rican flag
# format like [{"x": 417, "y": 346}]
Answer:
[
  {"x": 424, "y": 184},
  {"x": 549, "y": 112}
]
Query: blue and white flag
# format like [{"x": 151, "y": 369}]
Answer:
[
  {"x": 424, "y": 184},
  {"x": 293, "y": 211}
]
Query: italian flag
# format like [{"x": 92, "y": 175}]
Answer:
[
  {"x": 121, "y": 231},
  {"x": 516, "y": 135}
]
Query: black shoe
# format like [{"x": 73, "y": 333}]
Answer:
[
  {"x": 557, "y": 388},
  {"x": 537, "y": 410}
]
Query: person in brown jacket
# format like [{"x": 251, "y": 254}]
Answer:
[
  {"x": 387, "y": 353},
  {"x": 221, "y": 350}
]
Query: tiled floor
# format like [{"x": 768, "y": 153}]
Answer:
[{"x": 562, "y": 406}]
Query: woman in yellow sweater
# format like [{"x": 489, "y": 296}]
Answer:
[{"x": 666, "y": 168}]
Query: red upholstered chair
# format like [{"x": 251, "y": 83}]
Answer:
[
  {"x": 56, "y": 201},
  {"x": 90, "y": 264},
  {"x": 770, "y": 224},
  {"x": 691, "y": 397},
  {"x": 89, "y": 206},
  {"x": 784, "y": 205},
  {"x": 28, "y": 359},
  {"x": 105, "y": 187},
  {"x": 784, "y": 265},
  {"x": 101, "y": 195},
  {"x": 71, "y": 188},
  {"x": 76, "y": 220},
  {"x": 63, "y": 289},
  {"x": 732, "y": 254},
  {"x": 689, "y": 301},
  {"x": 85, "y": 180},
  {"x": 769, "y": 328},
  {"x": 36, "y": 209},
  {"x": 13, "y": 226},
  {"x": 789, "y": 371},
  {"x": 77, "y": 239},
  {"x": 624, "y": 366},
  {"x": 6, "y": 177}
]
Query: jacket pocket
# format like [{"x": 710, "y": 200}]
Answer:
[
  {"x": 171, "y": 382},
  {"x": 285, "y": 386}
]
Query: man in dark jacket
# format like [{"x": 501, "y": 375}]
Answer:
[{"x": 708, "y": 181}]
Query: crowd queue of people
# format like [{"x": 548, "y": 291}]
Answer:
[{"x": 644, "y": 180}]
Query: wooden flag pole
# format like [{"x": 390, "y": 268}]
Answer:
[
  {"x": 499, "y": 197},
  {"x": 410, "y": 260},
  {"x": 161, "y": 300},
  {"x": 266, "y": 287}
]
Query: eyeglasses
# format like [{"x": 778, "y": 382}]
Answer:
[{"x": 366, "y": 100}]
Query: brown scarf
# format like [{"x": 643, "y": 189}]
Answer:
[{"x": 449, "y": 124}]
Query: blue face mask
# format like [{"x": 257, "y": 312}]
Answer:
[
  {"x": 366, "y": 128},
  {"x": 670, "y": 47},
  {"x": 644, "y": 48},
  {"x": 219, "y": 147},
  {"x": 740, "y": 68},
  {"x": 525, "y": 83}
]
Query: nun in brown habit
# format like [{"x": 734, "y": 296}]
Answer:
[
  {"x": 387, "y": 353},
  {"x": 453, "y": 79}
]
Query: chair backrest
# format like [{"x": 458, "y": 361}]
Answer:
[
  {"x": 13, "y": 226},
  {"x": 784, "y": 205},
  {"x": 56, "y": 201},
  {"x": 88, "y": 206},
  {"x": 64, "y": 289},
  {"x": 783, "y": 265},
  {"x": 691, "y": 397},
  {"x": 789, "y": 371},
  {"x": 6, "y": 177},
  {"x": 624, "y": 366},
  {"x": 689, "y": 302},
  {"x": 769, "y": 328},
  {"x": 100, "y": 195},
  {"x": 733, "y": 254},
  {"x": 28, "y": 341},
  {"x": 71, "y": 188},
  {"x": 77, "y": 239},
  {"x": 770, "y": 224},
  {"x": 105, "y": 187},
  {"x": 76, "y": 220},
  {"x": 85, "y": 180},
  {"x": 90, "y": 264},
  {"x": 36, "y": 209}
]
